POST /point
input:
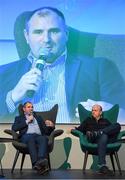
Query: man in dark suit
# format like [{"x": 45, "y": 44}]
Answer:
[
  {"x": 33, "y": 131},
  {"x": 65, "y": 79}
]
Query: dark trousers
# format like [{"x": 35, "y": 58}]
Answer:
[
  {"x": 37, "y": 145},
  {"x": 109, "y": 135}
]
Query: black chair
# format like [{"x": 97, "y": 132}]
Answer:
[
  {"x": 2, "y": 152},
  {"x": 23, "y": 149}
]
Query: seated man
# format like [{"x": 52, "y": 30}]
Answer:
[
  {"x": 33, "y": 131},
  {"x": 99, "y": 130}
]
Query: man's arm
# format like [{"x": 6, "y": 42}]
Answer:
[
  {"x": 46, "y": 126},
  {"x": 50, "y": 126},
  {"x": 19, "y": 124},
  {"x": 81, "y": 127},
  {"x": 15, "y": 80}
]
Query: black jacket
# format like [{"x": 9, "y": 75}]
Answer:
[
  {"x": 21, "y": 125},
  {"x": 91, "y": 124}
]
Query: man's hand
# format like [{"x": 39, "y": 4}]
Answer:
[
  {"x": 30, "y": 118},
  {"x": 68, "y": 131},
  {"x": 29, "y": 81},
  {"x": 49, "y": 123}
]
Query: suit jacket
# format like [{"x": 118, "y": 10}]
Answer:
[
  {"x": 21, "y": 125},
  {"x": 85, "y": 78}
]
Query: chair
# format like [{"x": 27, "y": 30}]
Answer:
[
  {"x": 67, "y": 143},
  {"x": 2, "y": 152},
  {"x": 22, "y": 148},
  {"x": 89, "y": 148}
]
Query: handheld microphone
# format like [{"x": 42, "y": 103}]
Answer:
[
  {"x": 41, "y": 62},
  {"x": 39, "y": 65}
]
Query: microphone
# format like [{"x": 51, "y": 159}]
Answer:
[{"x": 40, "y": 63}]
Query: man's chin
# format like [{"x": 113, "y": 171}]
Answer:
[{"x": 50, "y": 60}]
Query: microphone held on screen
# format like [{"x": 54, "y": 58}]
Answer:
[{"x": 40, "y": 63}]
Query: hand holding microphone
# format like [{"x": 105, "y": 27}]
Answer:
[
  {"x": 30, "y": 117},
  {"x": 30, "y": 82},
  {"x": 39, "y": 65}
]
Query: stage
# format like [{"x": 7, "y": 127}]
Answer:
[{"x": 59, "y": 174}]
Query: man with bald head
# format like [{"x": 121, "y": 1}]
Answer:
[{"x": 99, "y": 130}]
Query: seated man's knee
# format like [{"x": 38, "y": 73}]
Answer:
[
  {"x": 43, "y": 138},
  {"x": 103, "y": 138},
  {"x": 118, "y": 126}
]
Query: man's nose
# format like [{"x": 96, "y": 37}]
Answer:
[{"x": 46, "y": 37}]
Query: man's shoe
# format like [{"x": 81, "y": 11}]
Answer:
[
  {"x": 105, "y": 171},
  {"x": 40, "y": 163},
  {"x": 36, "y": 167},
  {"x": 44, "y": 170}
]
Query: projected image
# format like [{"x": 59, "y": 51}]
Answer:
[{"x": 57, "y": 66}]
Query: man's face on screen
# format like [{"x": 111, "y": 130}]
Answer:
[{"x": 46, "y": 35}]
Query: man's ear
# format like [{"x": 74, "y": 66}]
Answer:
[
  {"x": 101, "y": 113},
  {"x": 23, "y": 109},
  {"x": 26, "y": 35},
  {"x": 67, "y": 34}
]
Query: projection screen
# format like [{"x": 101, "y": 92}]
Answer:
[{"x": 89, "y": 70}]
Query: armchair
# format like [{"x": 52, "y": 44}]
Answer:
[
  {"x": 89, "y": 148},
  {"x": 2, "y": 151},
  {"x": 22, "y": 148}
]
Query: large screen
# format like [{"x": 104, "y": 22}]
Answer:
[{"x": 51, "y": 59}]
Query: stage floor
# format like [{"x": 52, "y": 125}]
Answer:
[{"x": 59, "y": 174}]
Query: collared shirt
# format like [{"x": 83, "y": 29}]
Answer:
[
  {"x": 33, "y": 128},
  {"x": 52, "y": 90}
]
